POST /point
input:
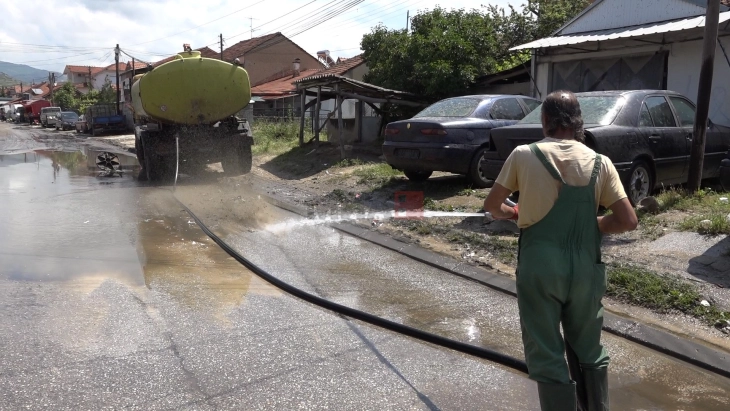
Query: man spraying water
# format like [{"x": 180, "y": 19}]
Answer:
[{"x": 560, "y": 275}]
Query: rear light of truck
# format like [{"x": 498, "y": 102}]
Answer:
[
  {"x": 433, "y": 131},
  {"x": 391, "y": 131}
]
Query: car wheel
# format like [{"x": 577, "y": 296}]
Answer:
[
  {"x": 476, "y": 173},
  {"x": 417, "y": 176},
  {"x": 641, "y": 182}
]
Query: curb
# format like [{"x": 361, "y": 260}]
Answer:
[{"x": 694, "y": 353}]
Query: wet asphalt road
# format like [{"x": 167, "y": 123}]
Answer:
[{"x": 112, "y": 298}]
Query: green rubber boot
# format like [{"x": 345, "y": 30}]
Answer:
[
  {"x": 557, "y": 397},
  {"x": 596, "y": 382}
]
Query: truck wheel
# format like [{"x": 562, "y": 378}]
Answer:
[
  {"x": 238, "y": 162},
  {"x": 93, "y": 131},
  {"x": 152, "y": 164}
]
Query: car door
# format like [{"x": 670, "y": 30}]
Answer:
[
  {"x": 667, "y": 140},
  {"x": 715, "y": 149},
  {"x": 530, "y": 104}
]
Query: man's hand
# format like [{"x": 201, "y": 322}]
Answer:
[{"x": 494, "y": 203}]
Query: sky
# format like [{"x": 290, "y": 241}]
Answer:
[{"x": 49, "y": 34}]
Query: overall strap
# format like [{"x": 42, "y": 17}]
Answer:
[
  {"x": 550, "y": 168},
  {"x": 596, "y": 169}
]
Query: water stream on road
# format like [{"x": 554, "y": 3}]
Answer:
[{"x": 376, "y": 217}]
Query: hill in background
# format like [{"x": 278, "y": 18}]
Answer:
[
  {"x": 24, "y": 73},
  {"x": 6, "y": 80}
]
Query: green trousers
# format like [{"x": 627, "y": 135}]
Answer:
[{"x": 560, "y": 280}]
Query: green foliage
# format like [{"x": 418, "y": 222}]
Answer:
[
  {"x": 65, "y": 97},
  {"x": 69, "y": 99},
  {"x": 446, "y": 50},
  {"x": 645, "y": 288},
  {"x": 275, "y": 137},
  {"x": 376, "y": 174},
  {"x": 550, "y": 15}
]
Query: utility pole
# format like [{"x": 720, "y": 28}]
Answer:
[
  {"x": 408, "y": 19},
  {"x": 52, "y": 84},
  {"x": 90, "y": 84},
  {"x": 221, "y": 37},
  {"x": 704, "y": 89},
  {"x": 116, "y": 66}
]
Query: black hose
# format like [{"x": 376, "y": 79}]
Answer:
[{"x": 480, "y": 352}]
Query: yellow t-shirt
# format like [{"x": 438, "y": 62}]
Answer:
[{"x": 524, "y": 172}]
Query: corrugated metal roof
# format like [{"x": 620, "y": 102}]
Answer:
[{"x": 622, "y": 32}]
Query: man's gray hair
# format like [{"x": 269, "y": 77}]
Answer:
[{"x": 562, "y": 110}]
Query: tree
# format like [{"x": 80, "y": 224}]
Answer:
[
  {"x": 65, "y": 97},
  {"x": 550, "y": 15},
  {"x": 107, "y": 94},
  {"x": 445, "y": 51}
]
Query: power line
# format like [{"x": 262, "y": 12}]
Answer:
[
  {"x": 270, "y": 21},
  {"x": 201, "y": 25}
]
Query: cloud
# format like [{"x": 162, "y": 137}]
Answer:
[{"x": 88, "y": 30}]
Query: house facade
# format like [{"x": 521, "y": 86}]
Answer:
[
  {"x": 628, "y": 44},
  {"x": 264, "y": 56}
]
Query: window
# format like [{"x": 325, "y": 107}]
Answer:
[
  {"x": 452, "y": 107},
  {"x": 506, "y": 109},
  {"x": 660, "y": 112},
  {"x": 644, "y": 117},
  {"x": 600, "y": 110},
  {"x": 531, "y": 104},
  {"x": 685, "y": 111}
]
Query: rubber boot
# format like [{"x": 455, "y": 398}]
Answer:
[
  {"x": 557, "y": 397},
  {"x": 596, "y": 382}
]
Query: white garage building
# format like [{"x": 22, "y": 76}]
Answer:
[{"x": 630, "y": 44}]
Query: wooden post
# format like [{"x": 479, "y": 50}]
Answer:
[
  {"x": 116, "y": 65},
  {"x": 704, "y": 89},
  {"x": 340, "y": 123},
  {"x": 317, "y": 110},
  {"x": 303, "y": 102},
  {"x": 359, "y": 121}
]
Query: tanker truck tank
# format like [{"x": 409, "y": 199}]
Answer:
[{"x": 195, "y": 99}]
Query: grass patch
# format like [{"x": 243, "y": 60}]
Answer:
[
  {"x": 276, "y": 137},
  {"x": 709, "y": 224},
  {"x": 662, "y": 293},
  {"x": 709, "y": 215},
  {"x": 651, "y": 226},
  {"x": 375, "y": 174},
  {"x": 504, "y": 250},
  {"x": 349, "y": 162}
]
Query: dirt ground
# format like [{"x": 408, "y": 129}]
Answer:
[{"x": 317, "y": 179}]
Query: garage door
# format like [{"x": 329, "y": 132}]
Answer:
[{"x": 616, "y": 73}]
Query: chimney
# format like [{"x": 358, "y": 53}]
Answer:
[{"x": 296, "y": 65}]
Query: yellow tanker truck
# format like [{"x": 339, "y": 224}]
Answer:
[{"x": 193, "y": 99}]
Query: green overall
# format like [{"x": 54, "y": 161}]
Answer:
[{"x": 561, "y": 280}]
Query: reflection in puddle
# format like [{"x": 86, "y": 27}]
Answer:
[{"x": 179, "y": 259}]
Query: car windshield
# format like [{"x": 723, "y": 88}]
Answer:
[
  {"x": 53, "y": 110},
  {"x": 453, "y": 107},
  {"x": 69, "y": 116},
  {"x": 601, "y": 110}
]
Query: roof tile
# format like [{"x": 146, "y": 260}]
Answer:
[
  {"x": 84, "y": 69},
  {"x": 245, "y": 46},
  {"x": 282, "y": 86},
  {"x": 340, "y": 68}
]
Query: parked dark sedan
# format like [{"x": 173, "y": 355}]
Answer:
[
  {"x": 452, "y": 135},
  {"x": 647, "y": 134}
]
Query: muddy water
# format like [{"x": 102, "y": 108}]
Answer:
[
  {"x": 363, "y": 276},
  {"x": 69, "y": 222}
]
